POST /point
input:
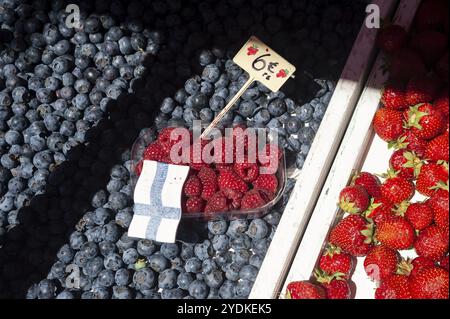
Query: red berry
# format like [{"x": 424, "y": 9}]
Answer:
[
  {"x": 193, "y": 186},
  {"x": 391, "y": 38},
  {"x": 420, "y": 215},
  {"x": 440, "y": 205},
  {"x": 421, "y": 90},
  {"x": 406, "y": 164},
  {"x": 381, "y": 262},
  {"x": 209, "y": 182},
  {"x": 432, "y": 177},
  {"x": 394, "y": 97},
  {"x": 336, "y": 262},
  {"x": 380, "y": 209},
  {"x": 406, "y": 64},
  {"x": 388, "y": 124},
  {"x": 194, "y": 205},
  {"x": 444, "y": 262},
  {"x": 430, "y": 44},
  {"x": 228, "y": 179},
  {"x": 254, "y": 199},
  {"x": 217, "y": 203},
  {"x": 410, "y": 142},
  {"x": 353, "y": 235},
  {"x": 397, "y": 189},
  {"x": 370, "y": 182},
  {"x": 247, "y": 171},
  {"x": 396, "y": 233},
  {"x": 266, "y": 182},
  {"x": 438, "y": 149},
  {"x": 425, "y": 121},
  {"x": 420, "y": 263},
  {"x": 441, "y": 103},
  {"x": 155, "y": 152},
  {"x": 304, "y": 290},
  {"x": 394, "y": 287},
  {"x": 432, "y": 243},
  {"x": 430, "y": 283},
  {"x": 354, "y": 199}
]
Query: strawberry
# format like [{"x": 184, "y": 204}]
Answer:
[
  {"x": 432, "y": 177},
  {"x": 247, "y": 171},
  {"x": 394, "y": 97},
  {"x": 354, "y": 199},
  {"x": 420, "y": 263},
  {"x": 391, "y": 38},
  {"x": 304, "y": 290},
  {"x": 441, "y": 102},
  {"x": 217, "y": 203},
  {"x": 379, "y": 210},
  {"x": 228, "y": 179},
  {"x": 335, "y": 287},
  {"x": 335, "y": 261},
  {"x": 420, "y": 215},
  {"x": 444, "y": 262},
  {"x": 388, "y": 124},
  {"x": 192, "y": 186},
  {"x": 266, "y": 182},
  {"x": 370, "y": 182},
  {"x": 194, "y": 205},
  {"x": 432, "y": 243},
  {"x": 353, "y": 235},
  {"x": 395, "y": 233},
  {"x": 155, "y": 152},
  {"x": 431, "y": 15},
  {"x": 397, "y": 189},
  {"x": 254, "y": 199},
  {"x": 438, "y": 149},
  {"x": 410, "y": 142},
  {"x": 439, "y": 203},
  {"x": 209, "y": 182},
  {"x": 381, "y": 262},
  {"x": 430, "y": 283},
  {"x": 430, "y": 44},
  {"x": 421, "y": 90},
  {"x": 441, "y": 67},
  {"x": 394, "y": 287},
  {"x": 425, "y": 121},
  {"x": 406, "y": 164},
  {"x": 406, "y": 64}
]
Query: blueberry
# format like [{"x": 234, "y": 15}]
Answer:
[
  {"x": 65, "y": 254},
  {"x": 167, "y": 105},
  {"x": 52, "y": 121},
  {"x": 262, "y": 117},
  {"x": 113, "y": 261},
  {"x": 144, "y": 279},
  {"x": 192, "y": 86},
  {"x": 256, "y": 260},
  {"x": 232, "y": 271},
  {"x": 257, "y": 229},
  {"x": 319, "y": 111},
  {"x": 123, "y": 218},
  {"x": 65, "y": 294},
  {"x": 206, "y": 57},
  {"x": 46, "y": 289},
  {"x": 237, "y": 227},
  {"x": 175, "y": 293},
  {"x": 77, "y": 239},
  {"x": 203, "y": 250},
  {"x": 57, "y": 271},
  {"x": 106, "y": 247},
  {"x": 250, "y": 94},
  {"x": 187, "y": 251},
  {"x": 122, "y": 277},
  {"x": 241, "y": 256},
  {"x": 169, "y": 251},
  {"x": 226, "y": 291},
  {"x": 306, "y": 135},
  {"x": 13, "y": 137},
  {"x": 158, "y": 263},
  {"x": 12, "y": 216},
  {"x": 93, "y": 267},
  {"x": 184, "y": 279},
  {"x": 207, "y": 88},
  {"x": 193, "y": 265},
  {"x": 243, "y": 288},
  {"x": 206, "y": 115},
  {"x": 122, "y": 292},
  {"x": 276, "y": 107},
  {"x": 216, "y": 103},
  {"x": 110, "y": 232},
  {"x": 211, "y": 73},
  {"x": 146, "y": 247},
  {"x": 218, "y": 227},
  {"x": 220, "y": 242},
  {"x": 273, "y": 218},
  {"x": 16, "y": 185},
  {"x": 248, "y": 272},
  {"x": 167, "y": 279},
  {"x": 90, "y": 249},
  {"x": 100, "y": 292},
  {"x": 130, "y": 256},
  {"x": 260, "y": 246},
  {"x": 106, "y": 278},
  {"x": 198, "y": 289}
]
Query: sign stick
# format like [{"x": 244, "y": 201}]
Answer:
[{"x": 227, "y": 107}]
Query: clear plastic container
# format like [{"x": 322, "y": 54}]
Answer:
[{"x": 148, "y": 136}]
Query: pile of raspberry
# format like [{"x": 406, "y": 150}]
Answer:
[{"x": 220, "y": 186}]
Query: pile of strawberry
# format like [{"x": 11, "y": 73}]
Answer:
[
  {"x": 382, "y": 219},
  {"x": 221, "y": 186}
]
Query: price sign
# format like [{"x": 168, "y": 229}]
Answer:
[{"x": 263, "y": 64}]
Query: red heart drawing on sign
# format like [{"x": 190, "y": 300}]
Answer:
[{"x": 252, "y": 50}]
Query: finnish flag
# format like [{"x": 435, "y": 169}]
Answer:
[{"x": 157, "y": 201}]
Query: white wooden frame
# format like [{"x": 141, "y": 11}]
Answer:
[
  {"x": 323, "y": 150},
  {"x": 350, "y": 157}
]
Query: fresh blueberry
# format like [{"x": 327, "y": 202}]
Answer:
[
  {"x": 146, "y": 247},
  {"x": 167, "y": 279},
  {"x": 144, "y": 279},
  {"x": 122, "y": 277},
  {"x": 89, "y": 249},
  {"x": 77, "y": 239},
  {"x": 198, "y": 289},
  {"x": 65, "y": 254},
  {"x": 158, "y": 263},
  {"x": 243, "y": 288},
  {"x": 226, "y": 291},
  {"x": 257, "y": 229},
  {"x": 216, "y": 103},
  {"x": 260, "y": 246},
  {"x": 306, "y": 135},
  {"x": 46, "y": 289},
  {"x": 122, "y": 292},
  {"x": 106, "y": 247},
  {"x": 169, "y": 251},
  {"x": 123, "y": 218},
  {"x": 113, "y": 261},
  {"x": 184, "y": 279},
  {"x": 256, "y": 260},
  {"x": 193, "y": 265},
  {"x": 130, "y": 256},
  {"x": 232, "y": 271},
  {"x": 65, "y": 294}
]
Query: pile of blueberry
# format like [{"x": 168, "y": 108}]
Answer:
[{"x": 73, "y": 101}]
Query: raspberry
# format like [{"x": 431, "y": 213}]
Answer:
[
  {"x": 234, "y": 198},
  {"x": 254, "y": 199},
  {"x": 266, "y": 182},
  {"x": 209, "y": 182},
  {"x": 217, "y": 203},
  {"x": 223, "y": 153},
  {"x": 196, "y": 160},
  {"x": 155, "y": 152},
  {"x": 269, "y": 157},
  {"x": 194, "y": 205},
  {"x": 240, "y": 139},
  {"x": 247, "y": 171},
  {"x": 228, "y": 179},
  {"x": 165, "y": 140},
  {"x": 193, "y": 186}
]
